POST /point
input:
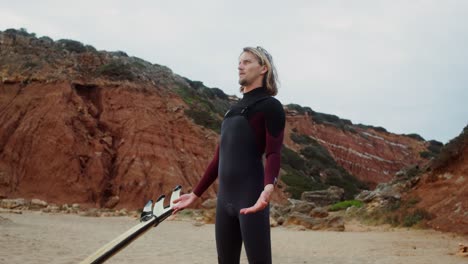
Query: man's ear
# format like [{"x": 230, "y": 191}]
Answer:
[{"x": 264, "y": 69}]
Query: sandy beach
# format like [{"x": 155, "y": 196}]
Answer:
[{"x": 35, "y": 237}]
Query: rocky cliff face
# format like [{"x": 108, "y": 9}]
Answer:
[
  {"x": 108, "y": 130},
  {"x": 371, "y": 154},
  {"x": 96, "y": 128},
  {"x": 443, "y": 192},
  {"x": 97, "y": 145}
]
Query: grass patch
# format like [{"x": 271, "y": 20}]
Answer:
[{"x": 397, "y": 215}]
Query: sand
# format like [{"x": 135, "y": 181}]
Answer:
[{"x": 34, "y": 237}]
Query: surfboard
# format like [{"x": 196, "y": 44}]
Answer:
[{"x": 151, "y": 216}]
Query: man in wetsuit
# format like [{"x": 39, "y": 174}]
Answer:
[{"x": 251, "y": 129}]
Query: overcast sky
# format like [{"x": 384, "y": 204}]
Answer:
[{"x": 399, "y": 64}]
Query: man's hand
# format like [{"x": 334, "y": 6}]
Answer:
[
  {"x": 262, "y": 201},
  {"x": 183, "y": 202}
]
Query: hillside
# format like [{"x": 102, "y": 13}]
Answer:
[
  {"x": 106, "y": 129},
  {"x": 443, "y": 192}
]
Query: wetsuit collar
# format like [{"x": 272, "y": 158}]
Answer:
[{"x": 260, "y": 91}]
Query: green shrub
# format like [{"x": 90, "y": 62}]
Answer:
[
  {"x": 72, "y": 45},
  {"x": 381, "y": 129},
  {"x": 392, "y": 220},
  {"x": 219, "y": 93},
  {"x": 301, "y": 139},
  {"x": 435, "y": 146},
  {"x": 415, "y": 217},
  {"x": 321, "y": 118},
  {"x": 426, "y": 154},
  {"x": 412, "y": 201},
  {"x": 346, "y": 181},
  {"x": 91, "y": 48},
  {"x": 319, "y": 153},
  {"x": 139, "y": 65},
  {"x": 294, "y": 178},
  {"x": 345, "y": 204},
  {"x": 187, "y": 94},
  {"x": 301, "y": 110},
  {"x": 46, "y": 39},
  {"x": 119, "y": 53},
  {"x": 333, "y": 120},
  {"x": 393, "y": 206},
  {"x": 207, "y": 105},
  {"x": 350, "y": 129},
  {"x": 415, "y": 136},
  {"x": 291, "y": 158},
  {"x": 318, "y": 161},
  {"x": 116, "y": 70},
  {"x": 22, "y": 32},
  {"x": 413, "y": 172},
  {"x": 198, "y": 96},
  {"x": 396, "y": 214},
  {"x": 298, "y": 177},
  {"x": 299, "y": 183},
  {"x": 205, "y": 119}
]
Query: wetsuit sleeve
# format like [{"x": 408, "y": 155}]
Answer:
[
  {"x": 275, "y": 120},
  {"x": 210, "y": 175}
]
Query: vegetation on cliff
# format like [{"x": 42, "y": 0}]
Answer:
[
  {"x": 322, "y": 118},
  {"x": 207, "y": 105},
  {"x": 451, "y": 151},
  {"x": 313, "y": 168}
]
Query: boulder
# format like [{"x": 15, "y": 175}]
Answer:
[
  {"x": 385, "y": 195},
  {"x": 13, "y": 203},
  {"x": 273, "y": 222},
  {"x": 324, "y": 197},
  {"x": 37, "y": 204},
  {"x": 318, "y": 212},
  {"x": 52, "y": 208},
  {"x": 209, "y": 216},
  {"x": 299, "y": 206},
  {"x": 121, "y": 212},
  {"x": 462, "y": 250}
]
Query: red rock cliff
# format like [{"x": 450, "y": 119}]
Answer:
[
  {"x": 104, "y": 129},
  {"x": 371, "y": 155},
  {"x": 444, "y": 191},
  {"x": 97, "y": 145}
]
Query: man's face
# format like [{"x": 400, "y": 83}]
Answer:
[{"x": 250, "y": 70}]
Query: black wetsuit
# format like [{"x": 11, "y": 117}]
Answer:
[{"x": 251, "y": 128}]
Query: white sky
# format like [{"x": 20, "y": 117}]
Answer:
[{"x": 398, "y": 64}]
